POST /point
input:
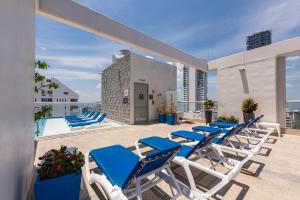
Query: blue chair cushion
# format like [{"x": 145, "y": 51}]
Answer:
[
  {"x": 189, "y": 135},
  {"x": 222, "y": 124},
  {"x": 185, "y": 151},
  {"x": 206, "y": 129},
  {"x": 158, "y": 143},
  {"x": 116, "y": 162},
  {"x": 218, "y": 140}
]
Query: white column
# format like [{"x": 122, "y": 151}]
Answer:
[{"x": 17, "y": 46}]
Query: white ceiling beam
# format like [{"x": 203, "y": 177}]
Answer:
[{"x": 76, "y": 15}]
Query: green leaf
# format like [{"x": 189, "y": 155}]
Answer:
[{"x": 41, "y": 65}]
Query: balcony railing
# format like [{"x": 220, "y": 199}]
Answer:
[
  {"x": 293, "y": 114},
  {"x": 61, "y": 109},
  {"x": 194, "y": 109}
]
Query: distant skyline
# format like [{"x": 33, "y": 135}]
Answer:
[{"x": 206, "y": 29}]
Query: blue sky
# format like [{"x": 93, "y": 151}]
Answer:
[{"x": 206, "y": 29}]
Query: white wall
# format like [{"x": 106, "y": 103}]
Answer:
[
  {"x": 158, "y": 75},
  {"x": 281, "y": 89},
  {"x": 17, "y": 46},
  {"x": 259, "y": 83}
]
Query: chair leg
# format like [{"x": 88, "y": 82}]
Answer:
[
  {"x": 138, "y": 190},
  {"x": 174, "y": 180}
]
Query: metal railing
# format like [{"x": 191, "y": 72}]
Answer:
[
  {"x": 194, "y": 109},
  {"x": 61, "y": 109},
  {"x": 293, "y": 114}
]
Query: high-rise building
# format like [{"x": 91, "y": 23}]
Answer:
[
  {"x": 259, "y": 39},
  {"x": 194, "y": 88}
]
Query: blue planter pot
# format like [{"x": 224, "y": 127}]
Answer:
[
  {"x": 171, "y": 119},
  {"x": 63, "y": 187},
  {"x": 162, "y": 118}
]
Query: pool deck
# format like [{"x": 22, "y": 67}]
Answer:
[{"x": 273, "y": 174}]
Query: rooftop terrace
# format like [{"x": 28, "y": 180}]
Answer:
[{"x": 274, "y": 171}]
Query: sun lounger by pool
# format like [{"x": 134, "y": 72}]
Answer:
[
  {"x": 125, "y": 175},
  {"x": 197, "y": 144},
  {"x": 90, "y": 119},
  {"x": 77, "y": 116},
  {"x": 87, "y": 114},
  {"x": 86, "y": 124}
]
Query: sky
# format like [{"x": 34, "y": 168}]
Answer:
[{"x": 207, "y": 29}]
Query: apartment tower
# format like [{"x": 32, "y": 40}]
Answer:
[{"x": 194, "y": 88}]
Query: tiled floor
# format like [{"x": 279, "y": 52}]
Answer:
[{"x": 273, "y": 174}]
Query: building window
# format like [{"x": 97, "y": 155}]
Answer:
[
  {"x": 49, "y": 99},
  {"x": 50, "y": 92},
  {"x": 43, "y": 92},
  {"x": 66, "y": 93},
  {"x": 44, "y": 99},
  {"x": 141, "y": 96},
  {"x": 74, "y": 100},
  {"x": 73, "y": 108}
]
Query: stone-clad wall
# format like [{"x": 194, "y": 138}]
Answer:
[{"x": 115, "y": 79}]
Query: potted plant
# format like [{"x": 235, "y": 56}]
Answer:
[
  {"x": 59, "y": 174},
  {"x": 171, "y": 113},
  {"x": 208, "y": 105},
  {"x": 249, "y": 106},
  {"x": 162, "y": 117}
]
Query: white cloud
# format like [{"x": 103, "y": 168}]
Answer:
[
  {"x": 66, "y": 74},
  {"x": 89, "y": 61},
  {"x": 212, "y": 80}
]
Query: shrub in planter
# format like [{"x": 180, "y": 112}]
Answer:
[
  {"x": 59, "y": 174},
  {"x": 171, "y": 114},
  {"x": 208, "y": 105},
  {"x": 249, "y": 106},
  {"x": 162, "y": 117},
  {"x": 228, "y": 118}
]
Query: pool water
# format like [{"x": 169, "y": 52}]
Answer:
[{"x": 55, "y": 126}]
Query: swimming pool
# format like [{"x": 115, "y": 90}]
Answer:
[{"x": 58, "y": 125}]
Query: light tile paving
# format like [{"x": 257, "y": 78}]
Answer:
[{"x": 273, "y": 174}]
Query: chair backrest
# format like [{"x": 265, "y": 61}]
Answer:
[
  {"x": 86, "y": 114},
  {"x": 102, "y": 117},
  {"x": 152, "y": 162},
  {"x": 95, "y": 116},
  {"x": 253, "y": 121},
  {"x": 91, "y": 114},
  {"x": 233, "y": 131},
  {"x": 207, "y": 141}
]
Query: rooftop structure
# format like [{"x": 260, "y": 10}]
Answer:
[{"x": 131, "y": 92}]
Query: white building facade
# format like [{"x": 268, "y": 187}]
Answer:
[
  {"x": 63, "y": 99},
  {"x": 62, "y": 94}
]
